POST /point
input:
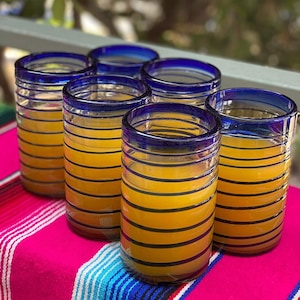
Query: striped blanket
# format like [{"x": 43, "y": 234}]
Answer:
[{"x": 40, "y": 258}]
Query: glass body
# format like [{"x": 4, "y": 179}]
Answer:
[
  {"x": 40, "y": 78},
  {"x": 93, "y": 111},
  {"x": 169, "y": 179},
  {"x": 181, "y": 80},
  {"x": 123, "y": 59},
  {"x": 255, "y": 158}
]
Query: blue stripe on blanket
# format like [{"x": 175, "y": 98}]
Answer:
[
  {"x": 292, "y": 295},
  {"x": 104, "y": 277}
]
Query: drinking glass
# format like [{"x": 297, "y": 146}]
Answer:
[
  {"x": 258, "y": 127},
  {"x": 181, "y": 80},
  {"x": 122, "y": 59},
  {"x": 169, "y": 179},
  {"x": 40, "y": 78},
  {"x": 93, "y": 110}
]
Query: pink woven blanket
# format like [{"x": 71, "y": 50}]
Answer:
[{"x": 40, "y": 258}]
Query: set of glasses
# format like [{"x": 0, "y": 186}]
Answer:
[{"x": 152, "y": 152}]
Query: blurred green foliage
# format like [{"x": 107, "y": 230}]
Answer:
[
  {"x": 264, "y": 32},
  {"x": 33, "y": 9},
  {"x": 58, "y": 11}
]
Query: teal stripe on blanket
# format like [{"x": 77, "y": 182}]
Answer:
[
  {"x": 104, "y": 277},
  {"x": 85, "y": 282}
]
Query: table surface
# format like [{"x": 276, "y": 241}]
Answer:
[{"x": 40, "y": 258}]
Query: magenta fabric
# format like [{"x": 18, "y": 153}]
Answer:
[
  {"x": 9, "y": 162},
  {"x": 55, "y": 255},
  {"x": 41, "y": 258}
]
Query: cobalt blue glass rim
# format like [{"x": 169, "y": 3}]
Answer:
[
  {"x": 150, "y": 68},
  {"x": 212, "y": 135},
  {"x": 257, "y": 95},
  {"x": 23, "y": 70},
  {"x": 70, "y": 98},
  {"x": 130, "y": 50}
]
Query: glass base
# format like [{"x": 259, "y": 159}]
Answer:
[
  {"x": 170, "y": 279},
  {"x": 93, "y": 233},
  {"x": 50, "y": 190},
  {"x": 248, "y": 250}
]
